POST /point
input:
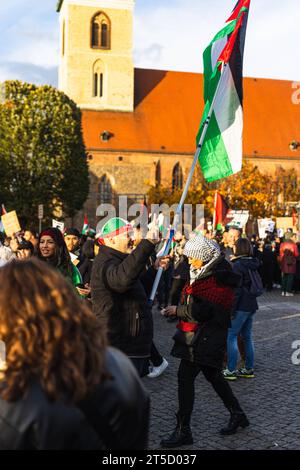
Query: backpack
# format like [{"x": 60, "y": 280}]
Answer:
[
  {"x": 256, "y": 287},
  {"x": 289, "y": 258}
]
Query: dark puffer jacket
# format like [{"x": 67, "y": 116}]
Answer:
[
  {"x": 119, "y": 298},
  {"x": 114, "y": 416},
  {"x": 212, "y": 316},
  {"x": 244, "y": 300}
]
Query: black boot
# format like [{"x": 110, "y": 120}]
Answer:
[
  {"x": 237, "y": 418},
  {"x": 182, "y": 434}
]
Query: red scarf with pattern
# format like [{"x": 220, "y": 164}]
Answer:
[{"x": 210, "y": 290}]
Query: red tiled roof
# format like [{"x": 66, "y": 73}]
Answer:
[{"x": 168, "y": 109}]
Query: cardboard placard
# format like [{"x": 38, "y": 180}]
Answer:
[
  {"x": 285, "y": 223},
  {"x": 265, "y": 226},
  {"x": 10, "y": 223},
  {"x": 59, "y": 225}
]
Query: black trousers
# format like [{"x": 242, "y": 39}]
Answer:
[
  {"x": 156, "y": 358},
  {"x": 187, "y": 374},
  {"x": 141, "y": 364}
]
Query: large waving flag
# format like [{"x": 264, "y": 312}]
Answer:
[{"x": 221, "y": 151}]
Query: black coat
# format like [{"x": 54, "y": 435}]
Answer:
[
  {"x": 119, "y": 298},
  {"x": 209, "y": 343},
  {"x": 245, "y": 301},
  {"x": 115, "y": 416}
]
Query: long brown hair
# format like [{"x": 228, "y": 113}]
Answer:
[{"x": 49, "y": 333}]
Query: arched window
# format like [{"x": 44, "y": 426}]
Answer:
[
  {"x": 177, "y": 177},
  {"x": 105, "y": 190},
  {"x": 157, "y": 174},
  {"x": 98, "y": 79},
  {"x": 100, "y": 34},
  {"x": 95, "y": 35},
  {"x": 104, "y": 35}
]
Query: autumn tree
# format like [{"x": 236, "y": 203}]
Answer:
[
  {"x": 262, "y": 194},
  {"x": 42, "y": 154},
  {"x": 199, "y": 192}
]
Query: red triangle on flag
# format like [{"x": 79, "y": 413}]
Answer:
[{"x": 220, "y": 210}]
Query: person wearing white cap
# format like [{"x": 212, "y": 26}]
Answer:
[{"x": 200, "y": 339}]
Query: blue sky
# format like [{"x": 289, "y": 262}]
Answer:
[{"x": 168, "y": 34}]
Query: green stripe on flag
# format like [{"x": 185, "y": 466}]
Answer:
[
  {"x": 207, "y": 54},
  {"x": 213, "y": 157}
]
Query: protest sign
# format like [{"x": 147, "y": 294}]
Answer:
[
  {"x": 10, "y": 223},
  {"x": 236, "y": 218},
  {"x": 285, "y": 223},
  {"x": 59, "y": 225},
  {"x": 265, "y": 226}
]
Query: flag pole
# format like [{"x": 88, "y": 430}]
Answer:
[{"x": 186, "y": 187}]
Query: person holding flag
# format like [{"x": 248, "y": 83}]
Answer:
[
  {"x": 219, "y": 139},
  {"x": 119, "y": 296},
  {"x": 205, "y": 312}
]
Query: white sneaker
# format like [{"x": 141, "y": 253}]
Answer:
[
  {"x": 289, "y": 294},
  {"x": 157, "y": 371},
  {"x": 283, "y": 294}
]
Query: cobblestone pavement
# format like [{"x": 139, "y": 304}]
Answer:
[{"x": 271, "y": 400}]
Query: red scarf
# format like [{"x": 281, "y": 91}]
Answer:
[{"x": 210, "y": 290}]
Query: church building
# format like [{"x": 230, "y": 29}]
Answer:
[{"x": 139, "y": 125}]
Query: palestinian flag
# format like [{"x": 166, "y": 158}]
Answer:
[
  {"x": 112, "y": 228},
  {"x": 168, "y": 244},
  {"x": 220, "y": 210},
  {"x": 221, "y": 152},
  {"x": 85, "y": 228}
]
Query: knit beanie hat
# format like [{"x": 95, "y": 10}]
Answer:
[
  {"x": 55, "y": 234},
  {"x": 114, "y": 227},
  {"x": 202, "y": 248},
  {"x": 72, "y": 231}
]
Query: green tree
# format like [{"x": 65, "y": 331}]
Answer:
[{"x": 42, "y": 154}]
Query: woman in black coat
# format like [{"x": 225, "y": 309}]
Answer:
[
  {"x": 200, "y": 339},
  {"x": 61, "y": 386}
]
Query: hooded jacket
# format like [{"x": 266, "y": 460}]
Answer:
[{"x": 244, "y": 300}]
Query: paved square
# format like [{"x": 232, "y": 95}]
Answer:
[{"x": 271, "y": 400}]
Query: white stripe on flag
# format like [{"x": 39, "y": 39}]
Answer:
[
  {"x": 230, "y": 122},
  {"x": 216, "y": 49}
]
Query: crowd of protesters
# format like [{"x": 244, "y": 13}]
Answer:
[{"x": 78, "y": 330}]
